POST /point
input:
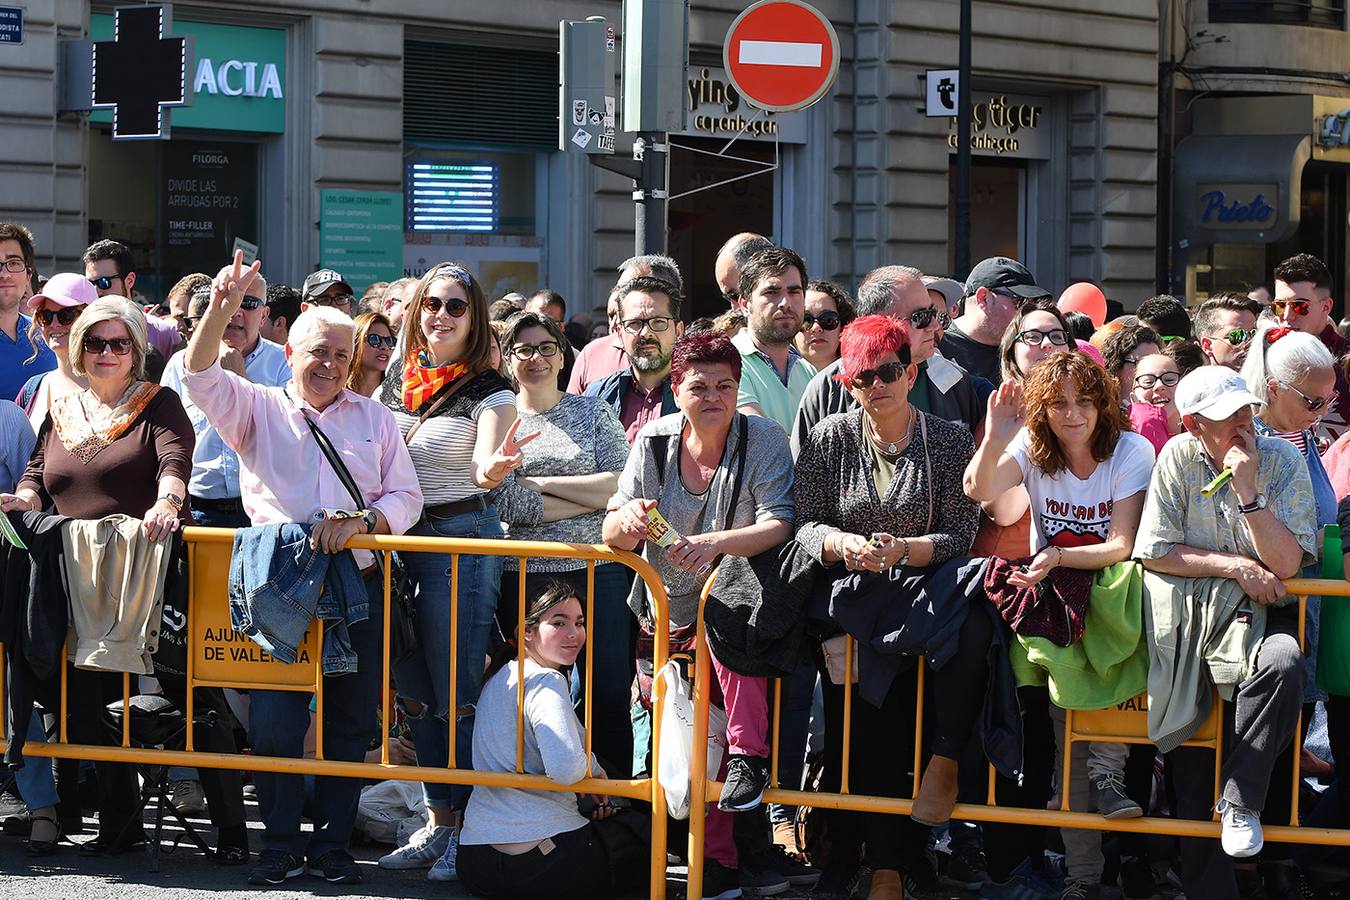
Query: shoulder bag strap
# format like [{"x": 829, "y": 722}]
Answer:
[
  {"x": 741, "y": 452},
  {"x": 446, "y": 393},
  {"x": 928, "y": 465},
  {"x": 339, "y": 467}
]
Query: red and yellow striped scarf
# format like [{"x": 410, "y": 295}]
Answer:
[{"x": 422, "y": 380}]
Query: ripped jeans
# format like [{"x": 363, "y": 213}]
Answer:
[{"x": 426, "y": 677}]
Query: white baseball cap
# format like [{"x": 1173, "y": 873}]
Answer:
[{"x": 1215, "y": 392}]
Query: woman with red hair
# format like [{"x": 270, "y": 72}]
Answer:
[{"x": 879, "y": 490}]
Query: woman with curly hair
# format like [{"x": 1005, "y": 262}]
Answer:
[
  {"x": 1086, "y": 477},
  {"x": 1123, "y": 350}
]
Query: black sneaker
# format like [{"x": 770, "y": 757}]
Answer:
[
  {"x": 747, "y": 777},
  {"x": 1137, "y": 881},
  {"x": 836, "y": 884},
  {"x": 719, "y": 882},
  {"x": 104, "y": 845},
  {"x": 921, "y": 883},
  {"x": 964, "y": 866},
  {"x": 335, "y": 867},
  {"x": 777, "y": 860},
  {"x": 758, "y": 880},
  {"x": 274, "y": 867}
]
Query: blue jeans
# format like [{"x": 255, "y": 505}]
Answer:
[
  {"x": 611, "y": 634},
  {"x": 794, "y": 721},
  {"x": 35, "y": 782},
  {"x": 277, "y": 723},
  {"x": 210, "y": 518},
  {"x": 426, "y": 677}
]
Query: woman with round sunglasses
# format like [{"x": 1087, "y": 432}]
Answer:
[
  {"x": 55, "y": 309},
  {"x": 879, "y": 489},
  {"x": 458, "y": 418},
  {"x": 559, "y": 493},
  {"x": 1153, "y": 411},
  {"x": 121, "y": 446},
  {"x": 828, "y": 312},
  {"x": 375, "y": 342}
]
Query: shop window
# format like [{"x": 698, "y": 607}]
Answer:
[
  {"x": 1316, "y": 13},
  {"x": 473, "y": 93}
]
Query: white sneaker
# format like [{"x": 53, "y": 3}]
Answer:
[
  {"x": 444, "y": 868},
  {"x": 1242, "y": 835},
  {"x": 424, "y": 847}
]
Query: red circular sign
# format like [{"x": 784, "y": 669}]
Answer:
[{"x": 781, "y": 55}]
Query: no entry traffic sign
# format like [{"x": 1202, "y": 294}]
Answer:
[{"x": 781, "y": 55}]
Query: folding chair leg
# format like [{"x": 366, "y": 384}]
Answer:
[{"x": 159, "y": 823}]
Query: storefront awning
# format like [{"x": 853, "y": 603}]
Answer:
[{"x": 1238, "y": 189}]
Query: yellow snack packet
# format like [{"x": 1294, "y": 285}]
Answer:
[{"x": 659, "y": 530}]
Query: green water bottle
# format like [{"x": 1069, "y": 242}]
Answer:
[{"x": 1333, "y": 565}]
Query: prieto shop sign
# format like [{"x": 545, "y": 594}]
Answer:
[{"x": 238, "y": 78}]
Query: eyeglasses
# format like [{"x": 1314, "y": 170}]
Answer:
[
  {"x": 1169, "y": 339},
  {"x": 827, "y": 320},
  {"x": 922, "y": 318},
  {"x": 15, "y": 265},
  {"x": 102, "y": 282},
  {"x": 252, "y": 303},
  {"x": 546, "y": 349},
  {"x": 1314, "y": 404},
  {"x": 731, "y": 296},
  {"x": 66, "y": 315},
  {"x": 454, "y": 306},
  {"x": 379, "y": 340},
  {"x": 1147, "y": 381},
  {"x": 944, "y": 321},
  {"x": 1300, "y": 307},
  {"x": 1239, "y": 337},
  {"x": 657, "y": 324},
  {"x": 1033, "y": 337},
  {"x": 96, "y": 345},
  {"x": 887, "y": 372},
  {"x": 343, "y": 300}
]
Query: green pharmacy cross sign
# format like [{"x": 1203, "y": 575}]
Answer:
[{"x": 140, "y": 72}]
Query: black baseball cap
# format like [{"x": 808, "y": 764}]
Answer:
[
  {"x": 318, "y": 282},
  {"x": 1002, "y": 272}
]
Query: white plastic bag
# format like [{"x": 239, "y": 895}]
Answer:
[
  {"x": 390, "y": 811},
  {"x": 677, "y": 739}
]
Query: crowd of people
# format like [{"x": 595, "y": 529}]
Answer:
[{"x": 1056, "y": 511}]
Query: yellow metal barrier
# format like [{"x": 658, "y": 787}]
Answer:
[
  {"x": 219, "y": 657},
  {"x": 1124, "y": 726}
]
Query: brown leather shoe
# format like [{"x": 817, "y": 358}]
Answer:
[
  {"x": 886, "y": 886},
  {"x": 937, "y": 792}
]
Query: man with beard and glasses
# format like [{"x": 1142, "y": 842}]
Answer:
[
  {"x": 649, "y": 326},
  {"x": 773, "y": 374}
]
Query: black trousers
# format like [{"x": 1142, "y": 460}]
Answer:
[
  {"x": 1005, "y": 846},
  {"x": 607, "y": 856},
  {"x": 224, "y": 788},
  {"x": 880, "y": 749},
  {"x": 118, "y": 794}
]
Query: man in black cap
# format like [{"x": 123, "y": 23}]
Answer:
[
  {"x": 326, "y": 288},
  {"x": 995, "y": 289}
]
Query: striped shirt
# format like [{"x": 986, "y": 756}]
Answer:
[{"x": 442, "y": 449}]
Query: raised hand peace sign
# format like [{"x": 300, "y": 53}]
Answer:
[
  {"x": 508, "y": 456},
  {"x": 232, "y": 282}
]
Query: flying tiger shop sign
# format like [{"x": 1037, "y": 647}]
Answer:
[{"x": 238, "y": 84}]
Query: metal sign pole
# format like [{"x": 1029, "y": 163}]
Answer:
[{"x": 962, "y": 249}]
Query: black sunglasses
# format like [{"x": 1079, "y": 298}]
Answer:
[
  {"x": 96, "y": 345},
  {"x": 922, "y": 318},
  {"x": 887, "y": 372},
  {"x": 66, "y": 315},
  {"x": 454, "y": 306},
  {"x": 827, "y": 320},
  {"x": 378, "y": 340},
  {"x": 251, "y": 303},
  {"x": 104, "y": 282}
]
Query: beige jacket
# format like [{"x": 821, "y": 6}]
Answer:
[{"x": 116, "y": 577}]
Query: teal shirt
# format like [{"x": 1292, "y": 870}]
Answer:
[{"x": 763, "y": 386}]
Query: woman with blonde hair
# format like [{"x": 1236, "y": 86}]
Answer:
[{"x": 375, "y": 342}]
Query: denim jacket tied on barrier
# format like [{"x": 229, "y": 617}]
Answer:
[{"x": 278, "y": 585}]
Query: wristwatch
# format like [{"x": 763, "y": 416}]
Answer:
[
  {"x": 368, "y": 516},
  {"x": 174, "y": 500},
  {"x": 1257, "y": 504}
]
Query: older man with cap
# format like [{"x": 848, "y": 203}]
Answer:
[
  {"x": 327, "y": 287},
  {"x": 1228, "y": 515},
  {"x": 995, "y": 289},
  {"x": 286, "y": 478}
]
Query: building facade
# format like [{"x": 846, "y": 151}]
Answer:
[
  {"x": 331, "y": 134},
  {"x": 1260, "y": 122}
]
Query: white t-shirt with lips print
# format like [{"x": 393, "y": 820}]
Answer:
[{"x": 1069, "y": 511}]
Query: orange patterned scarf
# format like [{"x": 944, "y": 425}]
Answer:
[
  {"x": 422, "y": 380},
  {"x": 85, "y": 429}
]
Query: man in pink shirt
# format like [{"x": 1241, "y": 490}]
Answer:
[
  {"x": 285, "y": 477},
  {"x": 604, "y": 356}
]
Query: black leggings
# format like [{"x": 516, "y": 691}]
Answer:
[
  {"x": 605, "y": 857},
  {"x": 1005, "y": 846},
  {"x": 880, "y": 760}
]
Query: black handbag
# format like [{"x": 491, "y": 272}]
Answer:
[{"x": 403, "y": 641}]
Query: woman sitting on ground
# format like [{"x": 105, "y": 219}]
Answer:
[{"x": 522, "y": 844}]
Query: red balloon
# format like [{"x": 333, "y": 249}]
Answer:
[{"x": 1084, "y": 298}]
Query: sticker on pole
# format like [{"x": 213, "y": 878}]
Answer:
[{"x": 781, "y": 55}]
